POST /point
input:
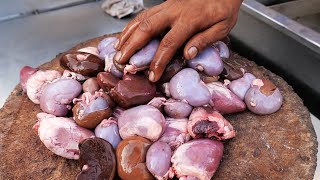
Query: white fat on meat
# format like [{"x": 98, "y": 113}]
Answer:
[
  {"x": 61, "y": 135},
  {"x": 38, "y": 81}
]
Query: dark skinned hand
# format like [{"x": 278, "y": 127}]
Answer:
[{"x": 198, "y": 23}]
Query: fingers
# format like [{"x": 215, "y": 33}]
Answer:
[
  {"x": 204, "y": 39},
  {"x": 173, "y": 40},
  {"x": 124, "y": 36},
  {"x": 147, "y": 29},
  {"x": 132, "y": 25}
]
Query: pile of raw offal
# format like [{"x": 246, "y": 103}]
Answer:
[{"x": 118, "y": 123}]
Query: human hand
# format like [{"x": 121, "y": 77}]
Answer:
[{"x": 200, "y": 23}]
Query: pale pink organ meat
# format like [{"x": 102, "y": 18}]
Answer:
[
  {"x": 177, "y": 109},
  {"x": 25, "y": 73},
  {"x": 158, "y": 159},
  {"x": 57, "y": 96},
  {"x": 109, "y": 131},
  {"x": 240, "y": 86},
  {"x": 38, "y": 81},
  {"x": 198, "y": 158},
  {"x": 144, "y": 120},
  {"x": 61, "y": 135},
  {"x": 223, "y": 100},
  {"x": 263, "y": 97},
  {"x": 206, "y": 123},
  {"x": 187, "y": 86},
  {"x": 176, "y": 132}
]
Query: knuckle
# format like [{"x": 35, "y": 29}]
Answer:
[
  {"x": 201, "y": 41},
  {"x": 168, "y": 42},
  {"x": 187, "y": 28},
  {"x": 146, "y": 25},
  {"x": 141, "y": 16},
  {"x": 225, "y": 30},
  {"x": 127, "y": 43},
  {"x": 223, "y": 12},
  {"x": 135, "y": 20}
]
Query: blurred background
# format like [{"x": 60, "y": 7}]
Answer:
[{"x": 282, "y": 35}]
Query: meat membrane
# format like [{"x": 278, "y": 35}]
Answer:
[
  {"x": 223, "y": 100},
  {"x": 158, "y": 159},
  {"x": 61, "y": 135},
  {"x": 176, "y": 132},
  {"x": 114, "y": 71},
  {"x": 186, "y": 85},
  {"x": 142, "y": 59},
  {"x": 109, "y": 131},
  {"x": 89, "y": 50},
  {"x": 177, "y": 109},
  {"x": 107, "y": 52},
  {"x": 38, "y": 81},
  {"x": 144, "y": 120},
  {"x": 207, "y": 61},
  {"x": 57, "y": 96},
  {"x": 107, "y": 44},
  {"x": 198, "y": 158},
  {"x": 72, "y": 75},
  {"x": 157, "y": 102},
  {"x": 165, "y": 89},
  {"x": 172, "y": 108},
  {"x": 263, "y": 97},
  {"x": 240, "y": 86},
  {"x": 223, "y": 49},
  {"x": 110, "y": 67}
]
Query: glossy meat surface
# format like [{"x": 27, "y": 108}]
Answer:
[
  {"x": 144, "y": 120},
  {"x": 61, "y": 135}
]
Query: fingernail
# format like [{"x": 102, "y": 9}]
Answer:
[
  {"x": 192, "y": 52},
  {"x": 116, "y": 44},
  {"x": 151, "y": 76},
  {"x": 117, "y": 57}
]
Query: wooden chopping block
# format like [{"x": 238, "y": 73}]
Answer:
[{"x": 282, "y": 145}]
